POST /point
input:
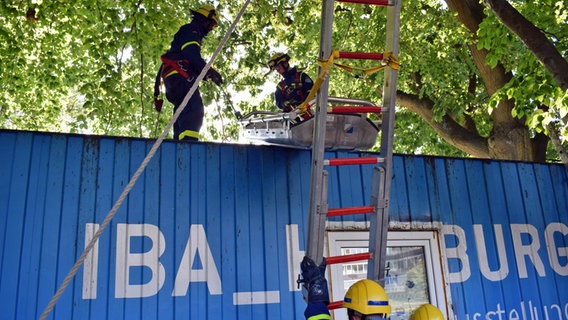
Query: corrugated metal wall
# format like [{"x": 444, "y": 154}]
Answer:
[
  {"x": 214, "y": 231},
  {"x": 506, "y": 238}
]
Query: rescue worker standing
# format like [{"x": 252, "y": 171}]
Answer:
[
  {"x": 295, "y": 85},
  {"x": 181, "y": 66},
  {"x": 365, "y": 299}
]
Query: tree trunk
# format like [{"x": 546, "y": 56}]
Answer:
[{"x": 541, "y": 48}]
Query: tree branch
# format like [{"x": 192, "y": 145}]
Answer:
[
  {"x": 557, "y": 144},
  {"x": 448, "y": 129},
  {"x": 469, "y": 123},
  {"x": 533, "y": 38}
]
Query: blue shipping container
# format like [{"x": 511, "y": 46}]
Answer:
[{"x": 216, "y": 231}]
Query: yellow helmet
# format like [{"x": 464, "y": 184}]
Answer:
[
  {"x": 367, "y": 297},
  {"x": 427, "y": 312},
  {"x": 208, "y": 12},
  {"x": 276, "y": 59}
]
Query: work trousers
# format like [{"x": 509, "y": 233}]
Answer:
[{"x": 189, "y": 122}]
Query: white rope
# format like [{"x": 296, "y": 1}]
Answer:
[{"x": 139, "y": 171}]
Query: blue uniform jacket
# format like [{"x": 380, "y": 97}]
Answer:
[
  {"x": 292, "y": 90},
  {"x": 187, "y": 46}
]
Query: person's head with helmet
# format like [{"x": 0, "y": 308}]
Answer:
[
  {"x": 279, "y": 62},
  {"x": 207, "y": 15},
  {"x": 427, "y": 312},
  {"x": 366, "y": 300}
]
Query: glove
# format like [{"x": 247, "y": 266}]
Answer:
[
  {"x": 314, "y": 277},
  {"x": 291, "y": 104},
  {"x": 158, "y": 103},
  {"x": 214, "y": 76}
]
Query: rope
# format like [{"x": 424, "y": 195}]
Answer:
[
  {"x": 389, "y": 59},
  {"x": 156, "y": 126},
  {"x": 224, "y": 138},
  {"x": 229, "y": 101},
  {"x": 139, "y": 171},
  {"x": 325, "y": 68}
]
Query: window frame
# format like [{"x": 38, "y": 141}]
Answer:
[{"x": 429, "y": 240}]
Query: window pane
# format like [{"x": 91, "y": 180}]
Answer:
[
  {"x": 405, "y": 277},
  {"x": 352, "y": 272},
  {"x": 406, "y": 281}
]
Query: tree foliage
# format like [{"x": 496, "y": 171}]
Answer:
[{"x": 467, "y": 86}]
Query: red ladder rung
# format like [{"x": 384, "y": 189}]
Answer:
[
  {"x": 335, "y": 305},
  {"x": 355, "y": 109},
  {"x": 350, "y": 161},
  {"x": 360, "y": 55},
  {"x": 337, "y": 212},
  {"x": 348, "y": 258},
  {"x": 375, "y": 2}
]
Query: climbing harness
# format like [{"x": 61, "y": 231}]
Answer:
[
  {"x": 167, "y": 68},
  {"x": 295, "y": 85},
  {"x": 170, "y": 67}
]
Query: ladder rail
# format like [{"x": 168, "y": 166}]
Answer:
[
  {"x": 379, "y": 227},
  {"x": 315, "y": 244}
]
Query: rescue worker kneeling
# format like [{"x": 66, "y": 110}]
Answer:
[
  {"x": 365, "y": 299},
  {"x": 294, "y": 87},
  {"x": 180, "y": 67}
]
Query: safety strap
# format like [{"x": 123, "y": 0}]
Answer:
[
  {"x": 169, "y": 66},
  {"x": 325, "y": 68},
  {"x": 158, "y": 101},
  {"x": 296, "y": 84},
  {"x": 158, "y": 81},
  {"x": 299, "y": 84},
  {"x": 389, "y": 59}
]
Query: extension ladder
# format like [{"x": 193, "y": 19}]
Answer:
[{"x": 378, "y": 207}]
